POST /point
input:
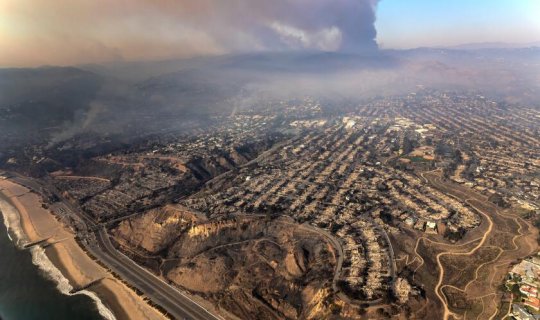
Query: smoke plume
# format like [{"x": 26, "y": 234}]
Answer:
[{"x": 66, "y": 32}]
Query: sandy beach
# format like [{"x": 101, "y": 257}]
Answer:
[{"x": 64, "y": 254}]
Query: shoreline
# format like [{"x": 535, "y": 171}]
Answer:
[
  {"x": 63, "y": 260},
  {"x": 42, "y": 261}
]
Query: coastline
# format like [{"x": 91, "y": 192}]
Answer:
[{"x": 63, "y": 260}]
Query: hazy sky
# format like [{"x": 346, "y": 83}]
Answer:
[
  {"x": 414, "y": 23},
  {"x": 64, "y": 32}
]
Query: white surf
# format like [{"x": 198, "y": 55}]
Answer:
[{"x": 15, "y": 232}]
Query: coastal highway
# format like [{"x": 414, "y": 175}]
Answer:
[
  {"x": 172, "y": 300},
  {"x": 169, "y": 298}
]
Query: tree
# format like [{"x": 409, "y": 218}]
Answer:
[{"x": 408, "y": 145}]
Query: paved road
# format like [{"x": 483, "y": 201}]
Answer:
[
  {"x": 172, "y": 300},
  {"x": 169, "y": 298}
]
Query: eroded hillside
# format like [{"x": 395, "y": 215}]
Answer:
[{"x": 256, "y": 267}]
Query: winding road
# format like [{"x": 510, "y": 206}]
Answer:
[
  {"x": 489, "y": 213},
  {"x": 447, "y": 311}
]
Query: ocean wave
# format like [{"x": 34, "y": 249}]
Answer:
[
  {"x": 40, "y": 259},
  {"x": 12, "y": 222}
]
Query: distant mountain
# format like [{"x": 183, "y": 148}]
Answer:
[
  {"x": 133, "y": 98},
  {"x": 47, "y": 95},
  {"x": 493, "y": 45},
  {"x": 36, "y": 102},
  {"x": 302, "y": 61},
  {"x": 64, "y": 86}
]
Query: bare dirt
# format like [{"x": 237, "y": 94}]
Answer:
[
  {"x": 255, "y": 267},
  {"x": 462, "y": 280}
]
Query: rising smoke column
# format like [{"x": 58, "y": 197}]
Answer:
[
  {"x": 329, "y": 25},
  {"x": 353, "y": 19}
]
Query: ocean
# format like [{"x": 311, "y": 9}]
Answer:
[{"x": 31, "y": 287}]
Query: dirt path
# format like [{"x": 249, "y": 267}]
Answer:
[
  {"x": 489, "y": 213},
  {"x": 438, "y": 292}
]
